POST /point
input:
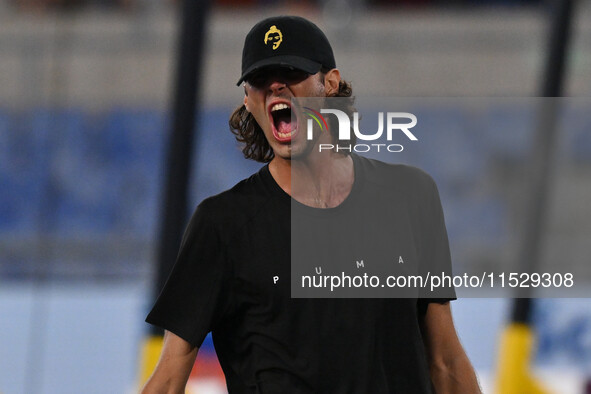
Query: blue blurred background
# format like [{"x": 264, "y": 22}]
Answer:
[{"x": 85, "y": 91}]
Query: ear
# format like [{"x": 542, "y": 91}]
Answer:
[
  {"x": 246, "y": 102},
  {"x": 331, "y": 82}
]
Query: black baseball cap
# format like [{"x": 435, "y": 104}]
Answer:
[{"x": 289, "y": 41}]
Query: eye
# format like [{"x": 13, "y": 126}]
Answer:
[
  {"x": 262, "y": 79},
  {"x": 295, "y": 76},
  {"x": 257, "y": 81}
]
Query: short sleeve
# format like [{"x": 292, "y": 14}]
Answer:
[
  {"x": 196, "y": 294},
  {"x": 435, "y": 256}
]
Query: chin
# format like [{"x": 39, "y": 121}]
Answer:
[
  {"x": 302, "y": 153},
  {"x": 283, "y": 152}
]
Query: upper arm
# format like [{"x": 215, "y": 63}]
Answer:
[{"x": 174, "y": 366}]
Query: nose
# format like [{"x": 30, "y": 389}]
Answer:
[{"x": 276, "y": 85}]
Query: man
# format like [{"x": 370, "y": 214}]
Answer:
[{"x": 231, "y": 275}]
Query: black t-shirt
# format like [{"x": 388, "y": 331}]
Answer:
[{"x": 232, "y": 277}]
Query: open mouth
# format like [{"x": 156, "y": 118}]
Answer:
[{"x": 281, "y": 120}]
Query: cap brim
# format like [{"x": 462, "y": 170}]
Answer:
[{"x": 296, "y": 62}]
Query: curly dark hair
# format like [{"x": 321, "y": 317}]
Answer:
[{"x": 247, "y": 130}]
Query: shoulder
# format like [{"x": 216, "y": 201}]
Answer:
[
  {"x": 401, "y": 177},
  {"x": 237, "y": 204},
  {"x": 248, "y": 193}
]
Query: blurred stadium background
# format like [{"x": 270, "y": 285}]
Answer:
[{"x": 85, "y": 88}]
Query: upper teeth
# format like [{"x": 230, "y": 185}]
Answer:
[{"x": 279, "y": 106}]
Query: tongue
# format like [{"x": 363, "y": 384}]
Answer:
[{"x": 284, "y": 126}]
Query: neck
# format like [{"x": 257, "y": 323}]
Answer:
[{"x": 320, "y": 180}]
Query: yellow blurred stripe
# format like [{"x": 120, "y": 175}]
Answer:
[
  {"x": 150, "y": 353},
  {"x": 513, "y": 369}
]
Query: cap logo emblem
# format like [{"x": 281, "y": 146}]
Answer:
[{"x": 273, "y": 36}]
